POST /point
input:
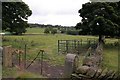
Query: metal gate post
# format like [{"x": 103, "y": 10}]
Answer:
[
  {"x": 58, "y": 46},
  {"x": 42, "y": 51}
]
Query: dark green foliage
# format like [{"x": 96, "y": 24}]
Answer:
[
  {"x": 50, "y": 30},
  {"x": 53, "y": 31},
  {"x": 47, "y": 30},
  {"x": 100, "y": 19},
  {"x": 14, "y": 16},
  {"x": 73, "y": 32},
  {"x": 63, "y": 31}
]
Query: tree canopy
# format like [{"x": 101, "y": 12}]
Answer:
[
  {"x": 100, "y": 18},
  {"x": 14, "y": 17}
]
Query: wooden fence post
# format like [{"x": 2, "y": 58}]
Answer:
[{"x": 7, "y": 56}]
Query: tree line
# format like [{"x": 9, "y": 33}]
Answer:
[
  {"x": 62, "y": 30},
  {"x": 32, "y": 25}
]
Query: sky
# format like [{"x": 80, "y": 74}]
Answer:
[{"x": 55, "y": 12}]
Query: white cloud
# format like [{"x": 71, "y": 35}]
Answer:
[{"x": 61, "y": 12}]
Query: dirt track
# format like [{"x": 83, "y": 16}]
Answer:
[{"x": 48, "y": 70}]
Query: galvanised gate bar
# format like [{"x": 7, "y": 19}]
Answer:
[{"x": 75, "y": 46}]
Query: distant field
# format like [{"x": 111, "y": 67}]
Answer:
[
  {"x": 35, "y": 30},
  {"x": 48, "y": 42}
]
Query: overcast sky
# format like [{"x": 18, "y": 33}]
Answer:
[{"x": 55, "y": 12}]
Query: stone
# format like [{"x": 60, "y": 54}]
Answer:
[
  {"x": 7, "y": 56},
  {"x": 82, "y": 70},
  {"x": 71, "y": 64},
  {"x": 91, "y": 72}
]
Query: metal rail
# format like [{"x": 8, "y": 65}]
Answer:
[{"x": 36, "y": 58}]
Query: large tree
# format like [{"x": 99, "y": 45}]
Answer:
[
  {"x": 101, "y": 19},
  {"x": 14, "y": 17}
]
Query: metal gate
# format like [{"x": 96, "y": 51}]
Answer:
[{"x": 75, "y": 46}]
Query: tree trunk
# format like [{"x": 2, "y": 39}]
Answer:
[
  {"x": 17, "y": 33},
  {"x": 101, "y": 39}
]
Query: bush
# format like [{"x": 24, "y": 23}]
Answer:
[
  {"x": 116, "y": 43},
  {"x": 63, "y": 31},
  {"x": 53, "y": 31},
  {"x": 73, "y": 32},
  {"x": 47, "y": 30}
]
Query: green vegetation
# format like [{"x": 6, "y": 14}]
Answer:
[
  {"x": 15, "y": 73},
  {"x": 50, "y": 30},
  {"x": 49, "y": 44},
  {"x": 63, "y": 31},
  {"x": 110, "y": 58},
  {"x": 100, "y": 19},
  {"x": 53, "y": 31},
  {"x": 110, "y": 54},
  {"x": 36, "y": 30},
  {"x": 46, "y": 30},
  {"x": 14, "y": 17},
  {"x": 73, "y": 32},
  {"x": 46, "y": 42},
  {"x": 28, "y": 75},
  {"x": 9, "y": 72}
]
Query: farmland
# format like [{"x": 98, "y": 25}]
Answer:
[{"x": 48, "y": 43}]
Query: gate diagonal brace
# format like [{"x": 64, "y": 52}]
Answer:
[{"x": 34, "y": 59}]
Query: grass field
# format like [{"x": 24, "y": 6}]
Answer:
[
  {"x": 35, "y": 30},
  {"x": 48, "y": 42},
  {"x": 45, "y": 42}
]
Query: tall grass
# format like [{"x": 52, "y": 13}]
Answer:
[{"x": 110, "y": 54}]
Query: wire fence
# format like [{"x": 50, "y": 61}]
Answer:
[{"x": 19, "y": 58}]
